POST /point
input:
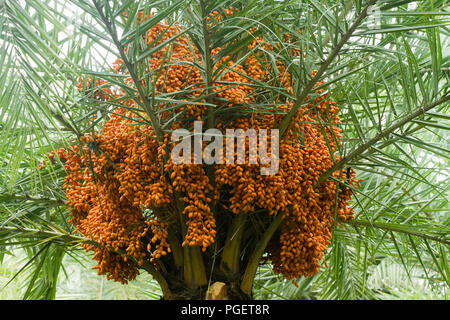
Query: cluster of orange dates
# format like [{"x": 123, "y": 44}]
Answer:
[{"x": 125, "y": 192}]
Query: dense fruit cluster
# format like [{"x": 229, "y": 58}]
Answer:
[{"x": 125, "y": 192}]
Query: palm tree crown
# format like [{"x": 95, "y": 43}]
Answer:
[{"x": 91, "y": 93}]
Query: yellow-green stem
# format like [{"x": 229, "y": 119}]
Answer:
[
  {"x": 194, "y": 267},
  {"x": 230, "y": 262},
  {"x": 176, "y": 249},
  {"x": 252, "y": 266}
]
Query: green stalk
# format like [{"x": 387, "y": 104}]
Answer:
[
  {"x": 176, "y": 249},
  {"x": 210, "y": 121},
  {"x": 252, "y": 266},
  {"x": 230, "y": 262},
  {"x": 194, "y": 268},
  {"x": 208, "y": 65}
]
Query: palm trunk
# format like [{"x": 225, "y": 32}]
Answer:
[{"x": 198, "y": 277}]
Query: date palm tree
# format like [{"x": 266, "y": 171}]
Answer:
[{"x": 385, "y": 64}]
